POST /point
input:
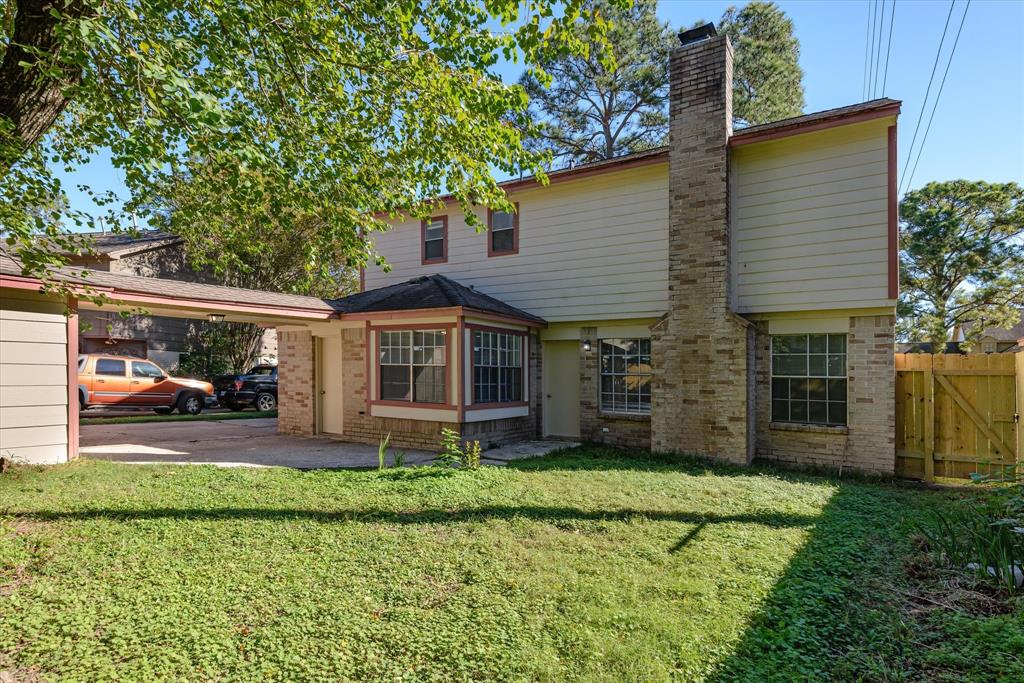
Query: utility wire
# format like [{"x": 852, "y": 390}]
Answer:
[
  {"x": 935, "y": 106},
  {"x": 867, "y": 42},
  {"x": 871, "y": 59},
  {"x": 888, "y": 49},
  {"x": 924, "y": 103},
  {"x": 878, "y": 49}
]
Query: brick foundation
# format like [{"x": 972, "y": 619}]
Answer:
[{"x": 867, "y": 444}]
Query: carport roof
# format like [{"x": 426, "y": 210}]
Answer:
[{"x": 116, "y": 286}]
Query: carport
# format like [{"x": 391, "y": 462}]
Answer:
[{"x": 39, "y": 342}]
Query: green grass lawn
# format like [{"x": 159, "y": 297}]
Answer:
[
  {"x": 98, "y": 419},
  {"x": 586, "y": 565}
]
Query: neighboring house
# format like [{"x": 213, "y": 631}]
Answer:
[
  {"x": 994, "y": 339},
  {"x": 731, "y": 295},
  {"x": 150, "y": 253}
]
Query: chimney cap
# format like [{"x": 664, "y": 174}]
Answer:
[{"x": 697, "y": 34}]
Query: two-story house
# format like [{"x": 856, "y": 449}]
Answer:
[{"x": 731, "y": 295}]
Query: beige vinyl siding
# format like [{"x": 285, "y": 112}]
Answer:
[
  {"x": 595, "y": 247},
  {"x": 33, "y": 378},
  {"x": 810, "y": 220}
]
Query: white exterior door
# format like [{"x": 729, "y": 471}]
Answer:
[
  {"x": 331, "y": 397},
  {"x": 562, "y": 388}
]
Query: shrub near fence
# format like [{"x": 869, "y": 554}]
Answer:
[{"x": 957, "y": 415}]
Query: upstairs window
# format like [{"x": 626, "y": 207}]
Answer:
[
  {"x": 413, "y": 366},
  {"x": 809, "y": 378},
  {"x": 502, "y": 232},
  {"x": 497, "y": 367},
  {"x": 435, "y": 240},
  {"x": 626, "y": 376}
]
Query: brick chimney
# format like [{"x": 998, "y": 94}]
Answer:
[{"x": 703, "y": 390}]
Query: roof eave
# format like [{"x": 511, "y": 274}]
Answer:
[{"x": 744, "y": 137}]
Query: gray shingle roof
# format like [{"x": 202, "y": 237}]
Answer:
[
  {"x": 817, "y": 117},
  {"x": 136, "y": 284},
  {"x": 427, "y": 292}
]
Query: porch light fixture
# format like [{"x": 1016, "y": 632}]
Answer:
[
  {"x": 586, "y": 345},
  {"x": 215, "y": 317}
]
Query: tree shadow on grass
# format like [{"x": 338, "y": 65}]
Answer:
[
  {"x": 831, "y": 616},
  {"x": 425, "y": 516}
]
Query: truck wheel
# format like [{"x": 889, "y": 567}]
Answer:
[
  {"x": 190, "y": 404},
  {"x": 163, "y": 410},
  {"x": 265, "y": 402}
]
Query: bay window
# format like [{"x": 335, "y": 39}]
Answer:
[
  {"x": 497, "y": 367},
  {"x": 413, "y": 366},
  {"x": 626, "y": 376},
  {"x": 809, "y": 378}
]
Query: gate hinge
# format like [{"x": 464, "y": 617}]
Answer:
[{"x": 1016, "y": 418}]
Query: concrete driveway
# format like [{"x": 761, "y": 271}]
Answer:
[{"x": 252, "y": 443}]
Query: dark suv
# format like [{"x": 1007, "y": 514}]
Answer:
[{"x": 257, "y": 388}]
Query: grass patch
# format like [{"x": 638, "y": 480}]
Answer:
[
  {"x": 588, "y": 564},
  {"x": 201, "y": 417}
]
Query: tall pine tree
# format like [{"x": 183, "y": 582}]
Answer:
[
  {"x": 595, "y": 108},
  {"x": 767, "y": 78}
]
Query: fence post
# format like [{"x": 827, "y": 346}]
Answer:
[
  {"x": 929, "y": 420},
  {"x": 1019, "y": 406}
]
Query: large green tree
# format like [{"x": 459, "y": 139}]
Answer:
[
  {"x": 767, "y": 78},
  {"x": 593, "y": 108},
  {"x": 347, "y": 110},
  {"x": 961, "y": 258}
]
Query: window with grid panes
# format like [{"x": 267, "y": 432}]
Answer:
[
  {"x": 413, "y": 366},
  {"x": 497, "y": 367},
  {"x": 626, "y": 376},
  {"x": 809, "y": 378}
]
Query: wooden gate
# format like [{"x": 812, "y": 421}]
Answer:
[{"x": 957, "y": 414}]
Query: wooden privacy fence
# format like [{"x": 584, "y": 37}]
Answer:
[{"x": 956, "y": 415}]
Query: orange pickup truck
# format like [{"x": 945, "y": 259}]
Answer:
[{"x": 122, "y": 381}]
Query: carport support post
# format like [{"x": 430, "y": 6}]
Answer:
[{"x": 72, "y": 353}]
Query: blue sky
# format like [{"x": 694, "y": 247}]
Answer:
[{"x": 977, "y": 131}]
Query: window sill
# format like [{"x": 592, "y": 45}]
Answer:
[
  {"x": 814, "y": 429},
  {"x": 634, "y": 417}
]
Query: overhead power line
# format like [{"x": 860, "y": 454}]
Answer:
[
  {"x": 938, "y": 95},
  {"x": 869, "y": 48},
  {"x": 888, "y": 49},
  {"x": 928, "y": 90},
  {"x": 878, "y": 48}
]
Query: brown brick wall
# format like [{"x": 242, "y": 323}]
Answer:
[
  {"x": 700, "y": 351},
  {"x": 296, "y": 412},
  {"x": 628, "y": 431},
  {"x": 868, "y": 443}
]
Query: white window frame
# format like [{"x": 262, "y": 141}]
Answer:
[{"x": 811, "y": 374}]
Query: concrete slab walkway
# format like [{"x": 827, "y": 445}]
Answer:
[{"x": 254, "y": 443}]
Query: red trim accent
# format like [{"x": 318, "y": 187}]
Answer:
[
  {"x": 451, "y": 310},
  {"x": 366, "y": 346},
  {"x": 411, "y": 404},
  {"x": 72, "y": 344},
  {"x": 444, "y": 240},
  {"x": 894, "y": 240},
  {"x": 656, "y": 157},
  {"x": 515, "y": 234},
  {"x": 460, "y": 371},
  {"x": 117, "y": 296},
  {"x": 449, "y": 333},
  {"x": 18, "y": 282},
  {"x": 799, "y": 128}
]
